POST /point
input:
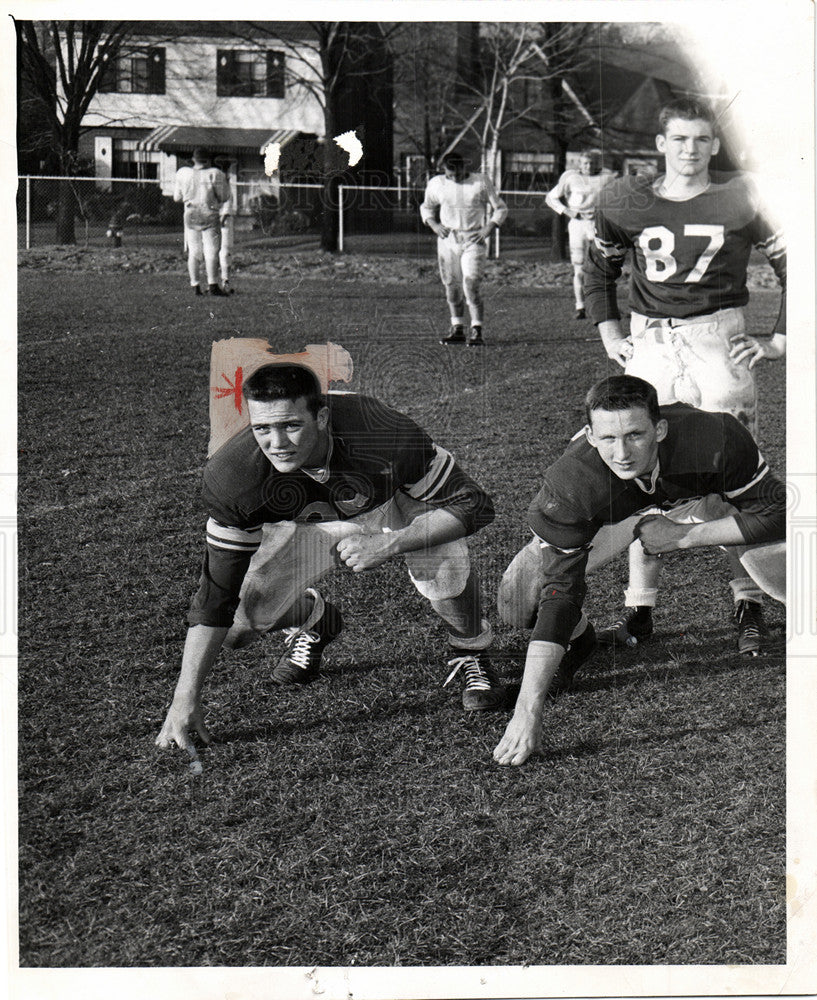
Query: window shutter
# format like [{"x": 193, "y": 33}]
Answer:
[
  {"x": 156, "y": 71},
  {"x": 275, "y": 74},
  {"x": 107, "y": 79},
  {"x": 225, "y": 73}
]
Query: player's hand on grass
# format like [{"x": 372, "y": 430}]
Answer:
[
  {"x": 659, "y": 534},
  {"x": 366, "y": 551},
  {"x": 752, "y": 349},
  {"x": 523, "y": 737},
  {"x": 181, "y": 720}
]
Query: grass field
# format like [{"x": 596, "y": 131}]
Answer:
[{"x": 362, "y": 821}]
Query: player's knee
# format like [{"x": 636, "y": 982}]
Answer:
[
  {"x": 472, "y": 293},
  {"x": 516, "y": 607}
]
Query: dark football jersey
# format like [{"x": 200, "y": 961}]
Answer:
[
  {"x": 689, "y": 257},
  {"x": 702, "y": 454},
  {"x": 374, "y": 452}
]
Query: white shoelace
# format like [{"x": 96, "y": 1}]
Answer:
[
  {"x": 300, "y": 647},
  {"x": 475, "y": 677}
]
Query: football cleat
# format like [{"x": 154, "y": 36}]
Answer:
[
  {"x": 475, "y": 337},
  {"x": 197, "y": 290},
  {"x": 748, "y": 616},
  {"x": 217, "y": 290},
  {"x": 580, "y": 313},
  {"x": 578, "y": 651},
  {"x": 455, "y": 336},
  {"x": 633, "y": 627},
  {"x": 482, "y": 689},
  {"x": 300, "y": 663}
]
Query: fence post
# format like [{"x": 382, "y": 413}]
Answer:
[
  {"x": 340, "y": 218},
  {"x": 496, "y": 243},
  {"x": 28, "y": 211}
]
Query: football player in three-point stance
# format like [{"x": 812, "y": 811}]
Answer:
[
  {"x": 675, "y": 478},
  {"x": 454, "y": 207},
  {"x": 316, "y": 482},
  {"x": 575, "y": 196},
  {"x": 691, "y": 233}
]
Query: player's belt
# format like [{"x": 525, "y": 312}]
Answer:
[
  {"x": 462, "y": 235},
  {"x": 667, "y": 322}
]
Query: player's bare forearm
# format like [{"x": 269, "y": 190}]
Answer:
[
  {"x": 659, "y": 534},
  {"x": 523, "y": 735},
  {"x": 201, "y": 648},
  {"x": 435, "y": 527},
  {"x": 618, "y": 347}
]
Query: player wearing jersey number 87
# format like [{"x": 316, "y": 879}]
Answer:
[{"x": 690, "y": 232}]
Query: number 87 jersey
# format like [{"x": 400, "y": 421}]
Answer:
[{"x": 689, "y": 257}]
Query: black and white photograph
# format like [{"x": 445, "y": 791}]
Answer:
[{"x": 432, "y": 615}]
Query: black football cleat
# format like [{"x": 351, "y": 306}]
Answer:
[
  {"x": 197, "y": 290},
  {"x": 578, "y": 651},
  {"x": 581, "y": 314},
  {"x": 455, "y": 336},
  {"x": 482, "y": 690},
  {"x": 748, "y": 617},
  {"x": 475, "y": 337},
  {"x": 217, "y": 290},
  {"x": 633, "y": 627},
  {"x": 300, "y": 663}
]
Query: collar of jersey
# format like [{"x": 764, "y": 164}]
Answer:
[
  {"x": 653, "y": 479},
  {"x": 321, "y": 474}
]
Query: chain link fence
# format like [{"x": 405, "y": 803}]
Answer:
[{"x": 380, "y": 220}]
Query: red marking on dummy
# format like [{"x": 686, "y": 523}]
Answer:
[{"x": 232, "y": 389}]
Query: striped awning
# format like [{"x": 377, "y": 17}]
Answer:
[{"x": 184, "y": 138}]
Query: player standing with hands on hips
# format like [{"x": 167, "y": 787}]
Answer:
[
  {"x": 205, "y": 192},
  {"x": 313, "y": 484},
  {"x": 576, "y": 196},
  {"x": 455, "y": 207},
  {"x": 691, "y": 232}
]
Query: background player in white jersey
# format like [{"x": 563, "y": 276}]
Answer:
[
  {"x": 205, "y": 192},
  {"x": 576, "y": 196},
  {"x": 455, "y": 207},
  {"x": 691, "y": 232}
]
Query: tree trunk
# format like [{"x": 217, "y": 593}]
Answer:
[
  {"x": 330, "y": 209},
  {"x": 66, "y": 206}
]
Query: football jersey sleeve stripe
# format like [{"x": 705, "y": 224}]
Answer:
[
  {"x": 609, "y": 250},
  {"x": 222, "y": 536},
  {"x": 432, "y": 482},
  {"x": 774, "y": 247},
  {"x": 762, "y": 470}
]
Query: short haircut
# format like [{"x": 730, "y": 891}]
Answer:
[
  {"x": 622, "y": 392},
  {"x": 282, "y": 381},
  {"x": 688, "y": 109},
  {"x": 201, "y": 155},
  {"x": 452, "y": 160},
  {"x": 594, "y": 154}
]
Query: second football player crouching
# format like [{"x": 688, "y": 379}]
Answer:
[
  {"x": 313, "y": 484},
  {"x": 673, "y": 478}
]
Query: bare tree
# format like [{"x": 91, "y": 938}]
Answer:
[
  {"x": 346, "y": 66},
  {"x": 61, "y": 66}
]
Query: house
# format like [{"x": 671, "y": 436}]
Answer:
[{"x": 226, "y": 86}]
